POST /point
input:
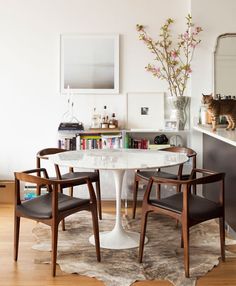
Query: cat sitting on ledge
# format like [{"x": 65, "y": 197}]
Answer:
[{"x": 216, "y": 108}]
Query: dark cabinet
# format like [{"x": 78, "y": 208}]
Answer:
[{"x": 221, "y": 156}]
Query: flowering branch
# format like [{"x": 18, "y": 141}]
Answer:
[{"x": 174, "y": 63}]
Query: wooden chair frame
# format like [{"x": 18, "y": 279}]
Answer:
[
  {"x": 53, "y": 187},
  {"x": 43, "y": 155},
  {"x": 183, "y": 217},
  {"x": 137, "y": 178}
]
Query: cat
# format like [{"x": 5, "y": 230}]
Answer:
[{"x": 219, "y": 107}]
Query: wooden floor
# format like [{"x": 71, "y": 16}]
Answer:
[{"x": 25, "y": 272}]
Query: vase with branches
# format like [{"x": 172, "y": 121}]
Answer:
[{"x": 173, "y": 58}]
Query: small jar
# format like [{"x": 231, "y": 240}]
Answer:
[
  {"x": 104, "y": 125},
  {"x": 113, "y": 123}
]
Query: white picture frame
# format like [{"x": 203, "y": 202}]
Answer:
[
  {"x": 89, "y": 63},
  {"x": 171, "y": 125},
  {"x": 145, "y": 110}
]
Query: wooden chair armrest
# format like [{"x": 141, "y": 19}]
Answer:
[{"x": 44, "y": 157}]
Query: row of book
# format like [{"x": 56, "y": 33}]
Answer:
[
  {"x": 138, "y": 143},
  {"x": 143, "y": 144},
  {"x": 90, "y": 142},
  {"x": 67, "y": 143}
]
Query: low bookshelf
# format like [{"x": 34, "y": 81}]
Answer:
[{"x": 90, "y": 139}]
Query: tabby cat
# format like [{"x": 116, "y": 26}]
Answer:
[{"x": 219, "y": 107}]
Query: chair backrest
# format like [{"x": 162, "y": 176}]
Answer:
[
  {"x": 42, "y": 154},
  {"x": 206, "y": 177},
  {"x": 39, "y": 177},
  {"x": 188, "y": 151}
]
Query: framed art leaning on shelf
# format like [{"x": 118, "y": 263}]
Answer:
[{"x": 145, "y": 110}]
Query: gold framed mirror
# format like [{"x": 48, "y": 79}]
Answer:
[{"x": 225, "y": 65}]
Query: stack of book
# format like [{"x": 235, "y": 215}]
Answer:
[
  {"x": 88, "y": 142},
  {"x": 67, "y": 142},
  {"x": 158, "y": 146},
  {"x": 67, "y": 132},
  {"x": 136, "y": 143}
]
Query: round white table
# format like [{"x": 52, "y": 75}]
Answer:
[{"x": 118, "y": 160}]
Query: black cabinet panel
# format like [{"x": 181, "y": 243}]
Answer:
[{"x": 221, "y": 157}]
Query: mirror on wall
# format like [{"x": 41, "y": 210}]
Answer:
[
  {"x": 225, "y": 65},
  {"x": 89, "y": 63}
]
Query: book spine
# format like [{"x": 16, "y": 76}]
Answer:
[{"x": 78, "y": 144}]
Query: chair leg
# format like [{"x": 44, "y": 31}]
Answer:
[
  {"x": 142, "y": 234},
  {"x": 96, "y": 232},
  {"x": 16, "y": 236},
  {"x": 54, "y": 230},
  {"x": 186, "y": 248},
  {"x": 158, "y": 191},
  {"x": 178, "y": 190},
  {"x": 63, "y": 225},
  {"x": 135, "y": 193},
  {"x": 182, "y": 239},
  {"x": 99, "y": 202},
  {"x": 194, "y": 189},
  {"x": 222, "y": 237},
  {"x": 71, "y": 191}
]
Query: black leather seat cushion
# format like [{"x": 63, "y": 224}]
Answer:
[
  {"x": 41, "y": 207},
  {"x": 199, "y": 207},
  {"x": 148, "y": 174}
]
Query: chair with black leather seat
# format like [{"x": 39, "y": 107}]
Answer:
[
  {"x": 186, "y": 207},
  {"x": 94, "y": 176},
  {"x": 145, "y": 175},
  {"x": 52, "y": 207}
]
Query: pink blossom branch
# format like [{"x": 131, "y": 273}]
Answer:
[{"x": 175, "y": 62}]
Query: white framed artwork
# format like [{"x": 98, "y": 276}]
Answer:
[
  {"x": 89, "y": 63},
  {"x": 145, "y": 110}
]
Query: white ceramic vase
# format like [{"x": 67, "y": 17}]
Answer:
[{"x": 178, "y": 112}]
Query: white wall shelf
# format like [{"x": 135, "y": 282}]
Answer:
[{"x": 227, "y": 136}]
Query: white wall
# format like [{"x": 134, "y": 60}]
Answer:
[{"x": 31, "y": 106}]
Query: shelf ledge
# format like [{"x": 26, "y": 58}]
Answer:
[{"x": 227, "y": 136}]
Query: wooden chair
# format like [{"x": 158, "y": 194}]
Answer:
[
  {"x": 52, "y": 207},
  {"x": 187, "y": 208},
  {"x": 146, "y": 175},
  {"x": 94, "y": 176}
]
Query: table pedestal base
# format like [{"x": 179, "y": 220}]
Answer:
[{"x": 118, "y": 239}]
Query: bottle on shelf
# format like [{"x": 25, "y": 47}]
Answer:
[
  {"x": 105, "y": 118},
  {"x": 95, "y": 122},
  {"x": 113, "y": 122}
]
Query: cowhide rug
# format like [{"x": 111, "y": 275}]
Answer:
[{"x": 163, "y": 256}]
